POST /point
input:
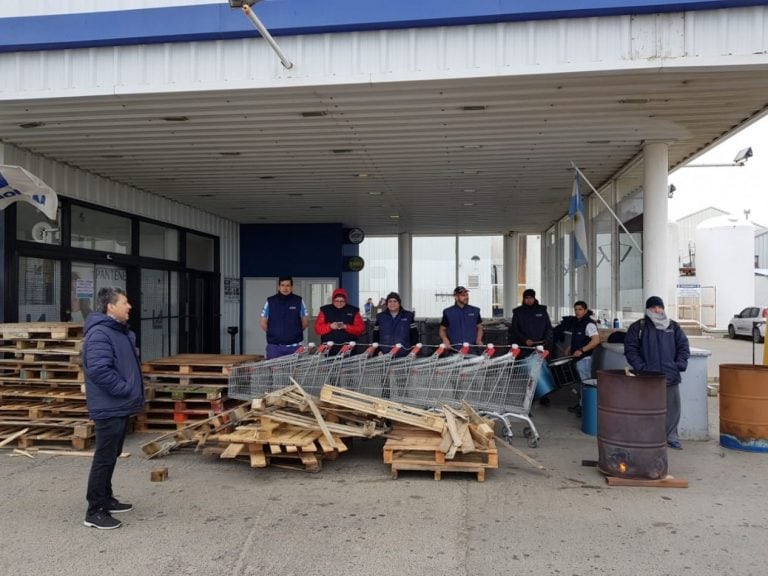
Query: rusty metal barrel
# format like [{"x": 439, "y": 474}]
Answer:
[
  {"x": 744, "y": 407},
  {"x": 631, "y": 424}
]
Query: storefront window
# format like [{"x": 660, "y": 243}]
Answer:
[
  {"x": 200, "y": 252},
  {"x": 33, "y": 226},
  {"x": 158, "y": 241},
  {"x": 95, "y": 230},
  {"x": 629, "y": 209},
  {"x": 39, "y": 290},
  {"x": 380, "y": 275}
]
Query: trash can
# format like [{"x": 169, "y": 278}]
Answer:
[{"x": 744, "y": 407}]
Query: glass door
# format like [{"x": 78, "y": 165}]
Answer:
[
  {"x": 201, "y": 319},
  {"x": 159, "y": 313}
]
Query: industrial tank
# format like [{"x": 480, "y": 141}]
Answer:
[{"x": 725, "y": 259}]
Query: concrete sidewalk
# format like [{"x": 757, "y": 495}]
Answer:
[{"x": 222, "y": 517}]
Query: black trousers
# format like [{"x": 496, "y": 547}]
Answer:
[{"x": 110, "y": 435}]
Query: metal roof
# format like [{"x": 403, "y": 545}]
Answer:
[{"x": 486, "y": 154}]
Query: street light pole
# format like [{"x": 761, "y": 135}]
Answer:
[{"x": 266, "y": 35}]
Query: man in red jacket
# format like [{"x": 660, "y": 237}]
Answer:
[{"x": 339, "y": 321}]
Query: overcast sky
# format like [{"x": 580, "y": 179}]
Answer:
[{"x": 731, "y": 189}]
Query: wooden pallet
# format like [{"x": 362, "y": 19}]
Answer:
[
  {"x": 34, "y": 409},
  {"x": 198, "y": 364},
  {"x": 193, "y": 433},
  {"x": 16, "y": 392},
  {"x": 414, "y": 449},
  {"x": 53, "y": 374},
  {"x": 53, "y": 330},
  {"x": 35, "y": 355},
  {"x": 68, "y": 346},
  {"x": 176, "y": 379},
  {"x": 77, "y": 432},
  {"x": 158, "y": 392}
]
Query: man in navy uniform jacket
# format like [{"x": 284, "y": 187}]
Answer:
[
  {"x": 461, "y": 322},
  {"x": 395, "y": 326},
  {"x": 284, "y": 318}
]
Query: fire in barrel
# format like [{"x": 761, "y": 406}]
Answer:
[{"x": 631, "y": 424}]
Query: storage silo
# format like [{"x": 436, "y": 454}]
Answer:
[{"x": 725, "y": 260}]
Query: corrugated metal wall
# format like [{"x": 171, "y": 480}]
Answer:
[{"x": 81, "y": 185}]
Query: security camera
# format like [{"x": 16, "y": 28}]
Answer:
[
  {"x": 241, "y": 3},
  {"x": 671, "y": 190},
  {"x": 743, "y": 155}
]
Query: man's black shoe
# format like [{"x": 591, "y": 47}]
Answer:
[
  {"x": 115, "y": 507},
  {"x": 102, "y": 520}
]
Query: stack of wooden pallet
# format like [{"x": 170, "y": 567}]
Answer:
[
  {"x": 291, "y": 428},
  {"x": 446, "y": 441},
  {"x": 42, "y": 386},
  {"x": 186, "y": 388}
]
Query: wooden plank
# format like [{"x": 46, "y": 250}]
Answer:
[
  {"x": 232, "y": 451},
  {"x": 520, "y": 453},
  {"x": 13, "y": 437},
  {"x": 258, "y": 458},
  {"x": 667, "y": 482},
  {"x": 316, "y": 413},
  {"x": 482, "y": 426}
]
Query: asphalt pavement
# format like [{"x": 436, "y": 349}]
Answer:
[{"x": 223, "y": 517}]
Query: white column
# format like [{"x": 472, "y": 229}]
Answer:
[
  {"x": 655, "y": 258},
  {"x": 511, "y": 261},
  {"x": 404, "y": 266}
]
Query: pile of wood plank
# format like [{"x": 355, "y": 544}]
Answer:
[
  {"x": 290, "y": 428},
  {"x": 186, "y": 388},
  {"x": 42, "y": 385}
]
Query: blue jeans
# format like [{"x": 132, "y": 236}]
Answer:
[
  {"x": 584, "y": 368},
  {"x": 279, "y": 350},
  {"x": 110, "y": 434}
]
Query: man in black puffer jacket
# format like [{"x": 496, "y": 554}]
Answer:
[
  {"x": 530, "y": 324},
  {"x": 114, "y": 391}
]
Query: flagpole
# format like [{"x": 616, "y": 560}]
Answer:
[{"x": 615, "y": 217}]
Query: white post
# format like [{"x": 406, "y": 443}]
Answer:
[
  {"x": 655, "y": 229},
  {"x": 511, "y": 260},
  {"x": 404, "y": 267}
]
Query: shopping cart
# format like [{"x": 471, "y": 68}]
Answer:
[
  {"x": 254, "y": 379},
  {"x": 314, "y": 375},
  {"x": 507, "y": 391}
]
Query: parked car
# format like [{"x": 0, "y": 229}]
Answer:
[{"x": 743, "y": 323}]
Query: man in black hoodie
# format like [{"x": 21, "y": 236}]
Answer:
[{"x": 530, "y": 324}]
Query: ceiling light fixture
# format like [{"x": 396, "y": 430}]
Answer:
[{"x": 374, "y": 193}]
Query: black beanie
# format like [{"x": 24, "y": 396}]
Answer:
[{"x": 654, "y": 301}]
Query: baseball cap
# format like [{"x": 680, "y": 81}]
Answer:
[{"x": 459, "y": 290}]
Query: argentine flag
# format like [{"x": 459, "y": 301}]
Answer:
[
  {"x": 576, "y": 211},
  {"x": 16, "y": 184}
]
